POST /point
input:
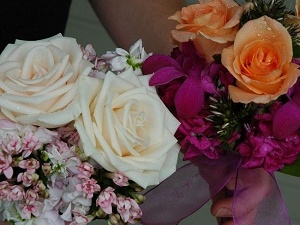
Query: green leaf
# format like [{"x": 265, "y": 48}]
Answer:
[
  {"x": 217, "y": 58},
  {"x": 293, "y": 169},
  {"x": 296, "y": 51}
]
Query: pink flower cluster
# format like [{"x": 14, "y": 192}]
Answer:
[{"x": 45, "y": 173}]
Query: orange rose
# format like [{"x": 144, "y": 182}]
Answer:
[
  {"x": 260, "y": 60},
  {"x": 294, "y": 19},
  {"x": 212, "y": 25}
]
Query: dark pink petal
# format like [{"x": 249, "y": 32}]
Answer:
[
  {"x": 189, "y": 97},
  {"x": 158, "y": 61},
  {"x": 286, "y": 120},
  {"x": 165, "y": 75},
  {"x": 192, "y": 152}
]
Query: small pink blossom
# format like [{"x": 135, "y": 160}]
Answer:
[
  {"x": 88, "y": 187},
  {"x": 46, "y": 136},
  {"x": 89, "y": 53},
  {"x": 79, "y": 219},
  {"x": 16, "y": 193},
  {"x": 30, "y": 164},
  {"x": 30, "y": 143},
  {"x": 27, "y": 179},
  {"x": 62, "y": 147},
  {"x": 86, "y": 170},
  {"x": 5, "y": 165},
  {"x": 60, "y": 151},
  {"x": 12, "y": 144},
  {"x": 120, "y": 179},
  {"x": 69, "y": 133},
  {"x": 31, "y": 196},
  {"x": 105, "y": 200},
  {"x": 4, "y": 190},
  {"x": 31, "y": 209},
  {"x": 128, "y": 209}
]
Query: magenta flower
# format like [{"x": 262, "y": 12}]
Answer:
[
  {"x": 261, "y": 149},
  {"x": 287, "y": 118},
  {"x": 197, "y": 137},
  {"x": 187, "y": 69}
]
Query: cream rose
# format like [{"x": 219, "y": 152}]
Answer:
[
  {"x": 38, "y": 81},
  {"x": 260, "y": 60},
  {"x": 125, "y": 127},
  {"x": 210, "y": 24}
]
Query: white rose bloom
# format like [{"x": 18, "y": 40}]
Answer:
[
  {"x": 125, "y": 127},
  {"x": 38, "y": 81}
]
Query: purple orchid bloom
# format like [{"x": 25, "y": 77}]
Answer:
[
  {"x": 287, "y": 118},
  {"x": 193, "y": 72}
]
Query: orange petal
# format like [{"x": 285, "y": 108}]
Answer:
[
  {"x": 238, "y": 95},
  {"x": 263, "y": 28},
  {"x": 183, "y": 36},
  {"x": 207, "y": 48}
]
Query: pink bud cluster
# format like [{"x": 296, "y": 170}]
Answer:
[
  {"x": 44, "y": 172},
  {"x": 100, "y": 65}
]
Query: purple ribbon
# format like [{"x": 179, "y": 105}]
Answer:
[{"x": 256, "y": 200}]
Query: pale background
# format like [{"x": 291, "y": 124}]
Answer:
[{"x": 85, "y": 27}]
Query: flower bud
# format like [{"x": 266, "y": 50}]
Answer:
[
  {"x": 139, "y": 198},
  {"x": 44, "y": 156},
  {"x": 100, "y": 213},
  {"x": 114, "y": 219},
  {"x": 136, "y": 187},
  {"x": 45, "y": 194},
  {"x": 47, "y": 169},
  {"x": 80, "y": 153},
  {"x": 40, "y": 186},
  {"x": 15, "y": 162}
]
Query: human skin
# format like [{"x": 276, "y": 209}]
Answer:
[
  {"x": 222, "y": 204},
  {"x": 128, "y": 21}
]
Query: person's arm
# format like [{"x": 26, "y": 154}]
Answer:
[{"x": 128, "y": 21}]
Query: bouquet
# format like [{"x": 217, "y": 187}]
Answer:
[
  {"x": 80, "y": 138},
  {"x": 233, "y": 83}
]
